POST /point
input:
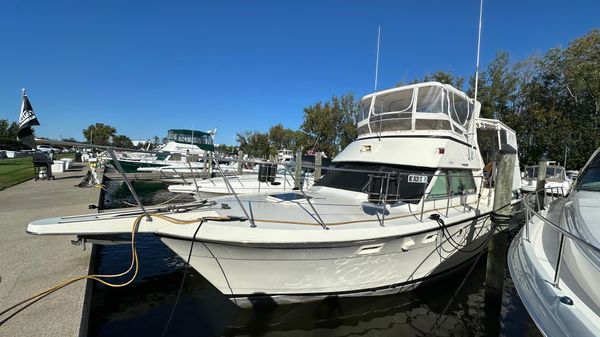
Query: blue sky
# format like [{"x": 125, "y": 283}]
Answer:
[{"x": 147, "y": 66}]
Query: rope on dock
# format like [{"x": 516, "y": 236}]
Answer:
[{"x": 100, "y": 277}]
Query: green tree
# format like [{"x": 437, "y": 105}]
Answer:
[
  {"x": 254, "y": 143},
  {"x": 446, "y": 78},
  {"x": 99, "y": 133},
  {"x": 330, "y": 126},
  {"x": 4, "y": 127},
  {"x": 122, "y": 141}
]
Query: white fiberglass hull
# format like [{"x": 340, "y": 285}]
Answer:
[
  {"x": 246, "y": 273},
  {"x": 572, "y": 308},
  {"x": 300, "y": 260}
]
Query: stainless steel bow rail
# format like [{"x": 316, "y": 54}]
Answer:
[{"x": 569, "y": 215}]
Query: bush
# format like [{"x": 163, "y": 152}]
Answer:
[{"x": 12, "y": 144}]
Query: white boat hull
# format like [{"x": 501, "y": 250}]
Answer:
[{"x": 289, "y": 274}]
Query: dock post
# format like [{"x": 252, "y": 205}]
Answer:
[
  {"x": 541, "y": 181},
  {"x": 497, "y": 246},
  {"x": 298, "y": 172},
  {"x": 317, "y": 166},
  {"x": 211, "y": 157},
  {"x": 240, "y": 164}
]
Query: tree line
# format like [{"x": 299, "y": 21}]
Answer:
[
  {"x": 328, "y": 127},
  {"x": 551, "y": 100}
]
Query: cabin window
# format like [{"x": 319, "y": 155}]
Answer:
[
  {"x": 458, "y": 181},
  {"x": 407, "y": 183},
  {"x": 460, "y": 109},
  {"x": 398, "y": 101},
  {"x": 461, "y": 182},
  {"x": 365, "y": 108},
  {"x": 363, "y": 129},
  {"x": 589, "y": 179},
  {"x": 432, "y": 124},
  {"x": 391, "y": 122},
  {"x": 430, "y": 99}
]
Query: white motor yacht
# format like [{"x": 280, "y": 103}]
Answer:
[
  {"x": 554, "y": 261},
  {"x": 181, "y": 146},
  {"x": 556, "y": 179},
  {"x": 405, "y": 203}
]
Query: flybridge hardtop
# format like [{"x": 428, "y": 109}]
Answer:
[
  {"x": 426, "y": 125},
  {"x": 183, "y": 139}
]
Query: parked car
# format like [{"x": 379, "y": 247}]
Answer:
[{"x": 47, "y": 149}]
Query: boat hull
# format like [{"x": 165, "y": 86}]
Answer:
[
  {"x": 299, "y": 274},
  {"x": 132, "y": 166}
]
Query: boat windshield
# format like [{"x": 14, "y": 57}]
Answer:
[
  {"x": 421, "y": 107},
  {"x": 553, "y": 173},
  {"x": 190, "y": 137},
  {"x": 589, "y": 180},
  {"x": 408, "y": 184}
]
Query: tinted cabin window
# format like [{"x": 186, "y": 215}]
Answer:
[
  {"x": 589, "y": 179},
  {"x": 406, "y": 183},
  {"x": 458, "y": 181}
]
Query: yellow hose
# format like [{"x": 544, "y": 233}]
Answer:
[{"x": 99, "y": 277}]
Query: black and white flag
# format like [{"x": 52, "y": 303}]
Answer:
[{"x": 27, "y": 119}]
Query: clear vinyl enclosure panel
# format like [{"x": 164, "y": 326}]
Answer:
[{"x": 429, "y": 107}]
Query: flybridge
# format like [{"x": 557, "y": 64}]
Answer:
[
  {"x": 430, "y": 106},
  {"x": 204, "y": 140}
]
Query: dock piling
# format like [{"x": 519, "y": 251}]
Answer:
[
  {"x": 541, "y": 182},
  {"x": 318, "y": 166},
  {"x": 298, "y": 172},
  {"x": 496, "y": 255},
  {"x": 240, "y": 164}
]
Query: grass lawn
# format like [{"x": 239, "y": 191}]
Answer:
[
  {"x": 18, "y": 170},
  {"x": 15, "y": 171},
  {"x": 64, "y": 155}
]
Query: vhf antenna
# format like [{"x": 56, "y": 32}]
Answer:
[
  {"x": 377, "y": 59},
  {"x": 478, "y": 47}
]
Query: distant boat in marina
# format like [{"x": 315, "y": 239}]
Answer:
[
  {"x": 405, "y": 203},
  {"x": 180, "y": 145},
  {"x": 554, "y": 261},
  {"x": 280, "y": 181},
  {"x": 556, "y": 179}
]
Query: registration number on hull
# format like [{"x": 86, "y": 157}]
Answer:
[{"x": 413, "y": 178}]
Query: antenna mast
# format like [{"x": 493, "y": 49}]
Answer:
[
  {"x": 478, "y": 47},
  {"x": 377, "y": 59}
]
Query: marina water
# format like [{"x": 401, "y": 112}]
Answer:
[{"x": 452, "y": 307}]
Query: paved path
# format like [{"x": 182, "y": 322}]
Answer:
[{"x": 30, "y": 263}]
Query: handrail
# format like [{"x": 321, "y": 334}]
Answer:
[
  {"x": 569, "y": 217},
  {"x": 555, "y": 226}
]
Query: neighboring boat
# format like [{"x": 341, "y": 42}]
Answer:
[
  {"x": 572, "y": 174},
  {"x": 282, "y": 181},
  {"x": 554, "y": 260},
  {"x": 556, "y": 179},
  {"x": 181, "y": 145},
  {"x": 285, "y": 156},
  {"x": 406, "y": 203}
]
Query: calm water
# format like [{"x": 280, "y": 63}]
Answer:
[{"x": 143, "y": 308}]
